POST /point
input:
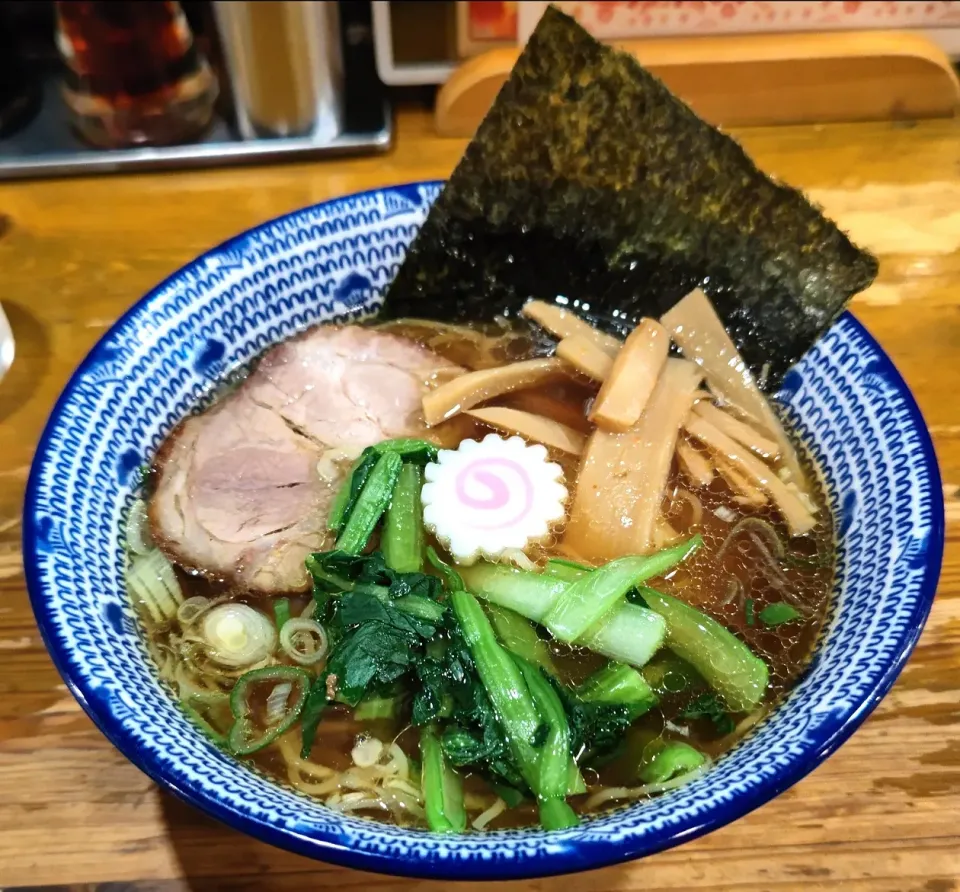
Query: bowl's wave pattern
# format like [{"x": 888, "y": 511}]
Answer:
[{"x": 331, "y": 262}]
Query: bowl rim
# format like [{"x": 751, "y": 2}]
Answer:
[{"x": 329, "y": 848}]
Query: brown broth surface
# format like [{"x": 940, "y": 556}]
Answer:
[{"x": 733, "y": 587}]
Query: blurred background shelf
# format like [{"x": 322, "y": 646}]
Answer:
[
  {"x": 757, "y": 79},
  {"x": 47, "y": 147},
  {"x": 282, "y": 81}
]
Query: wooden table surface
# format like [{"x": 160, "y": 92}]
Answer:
[{"x": 882, "y": 814}]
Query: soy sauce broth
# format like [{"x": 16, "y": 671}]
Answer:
[{"x": 733, "y": 578}]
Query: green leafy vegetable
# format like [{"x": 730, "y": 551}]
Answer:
[
  {"x": 602, "y": 709},
  {"x": 381, "y": 643},
  {"x": 518, "y": 635},
  {"x": 620, "y": 685},
  {"x": 338, "y": 571},
  {"x": 313, "y": 709},
  {"x": 504, "y": 684},
  {"x": 350, "y": 490},
  {"x": 569, "y": 571},
  {"x": 281, "y": 612},
  {"x": 749, "y": 611},
  {"x": 666, "y": 760},
  {"x": 451, "y": 578},
  {"x": 379, "y": 622},
  {"x": 370, "y": 504},
  {"x": 410, "y": 450},
  {"x": 402, "y": 539},
  {"x": 584, "y": 602},
  {"x": 779, "y": 613},
  {"x": 670, "y": 675},
  {"x": 727, "y": 664},
  {"x": 628, "y": 633},
  {"x": 709, "y": 706},
  {"x": 378, "y": 707},
  {"x": 441, "y": 787},
  {"x": 555, "y": 814},
  {"x": 557, "y": 771}
]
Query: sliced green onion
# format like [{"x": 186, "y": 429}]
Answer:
[
  {"x": 238, "y": 635},
  {"x": 244, "y": 738},
  {"x": 201, "y": 722},
  {"x": 199, "y": 704},
  {"x": 137, "y": 529},
  {"x": 192, "y": 609},
  {"x": 402, "y": 540},
  {"x": 152, "y": 582},
  {"x": 779, "y": 613},
  {"x": 304, "y": 641},
  {"x": 370, "y": 504},
  {"x": 587, "y": 600}
]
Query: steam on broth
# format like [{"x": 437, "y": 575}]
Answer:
[{"x": 558, "y": 597}]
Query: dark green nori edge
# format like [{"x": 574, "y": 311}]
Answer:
[{"x": 589, "y": 180}]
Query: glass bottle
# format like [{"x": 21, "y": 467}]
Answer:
[{"x": 133, "y": 74}]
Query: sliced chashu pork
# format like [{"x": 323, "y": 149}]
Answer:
[{"x": 237, "y": 492}]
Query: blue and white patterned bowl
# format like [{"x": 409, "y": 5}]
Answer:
[{"x": 331, "y": 263}]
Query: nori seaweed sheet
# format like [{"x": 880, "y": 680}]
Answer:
[{"x": 588, "y": 180}]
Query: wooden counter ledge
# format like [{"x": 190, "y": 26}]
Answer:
[{"x": 882, "y": 814}]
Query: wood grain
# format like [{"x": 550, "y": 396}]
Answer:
[
  {"x": 883, "y": 814},
  {"x": 735, "y": 80}
]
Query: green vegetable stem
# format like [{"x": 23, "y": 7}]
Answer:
[
  {"x": 503, "y": 683},
  {"x": 619, "y": 684},
  {"x": 350, "y": 490},
  {"x": 281, "y": 612},
  {"x": 627, "y": 633},
  {"x": 409, "y": 449},
  {"x": 370, "y": 504},
  {"x": 402, "y": 540},
  {"x": 668, "y": 760},
  {"x": 725, "y": 662},
  {"x": 441, "y": 787},
  {"x": 518, "y": 635},
  {"x": 559, "y": 775},
  {"x": 586, "y": 601}
]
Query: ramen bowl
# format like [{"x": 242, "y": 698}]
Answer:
[{"x": 845, "y": 401}]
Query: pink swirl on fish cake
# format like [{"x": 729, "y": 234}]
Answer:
[{"x": 499, "y": 489}]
